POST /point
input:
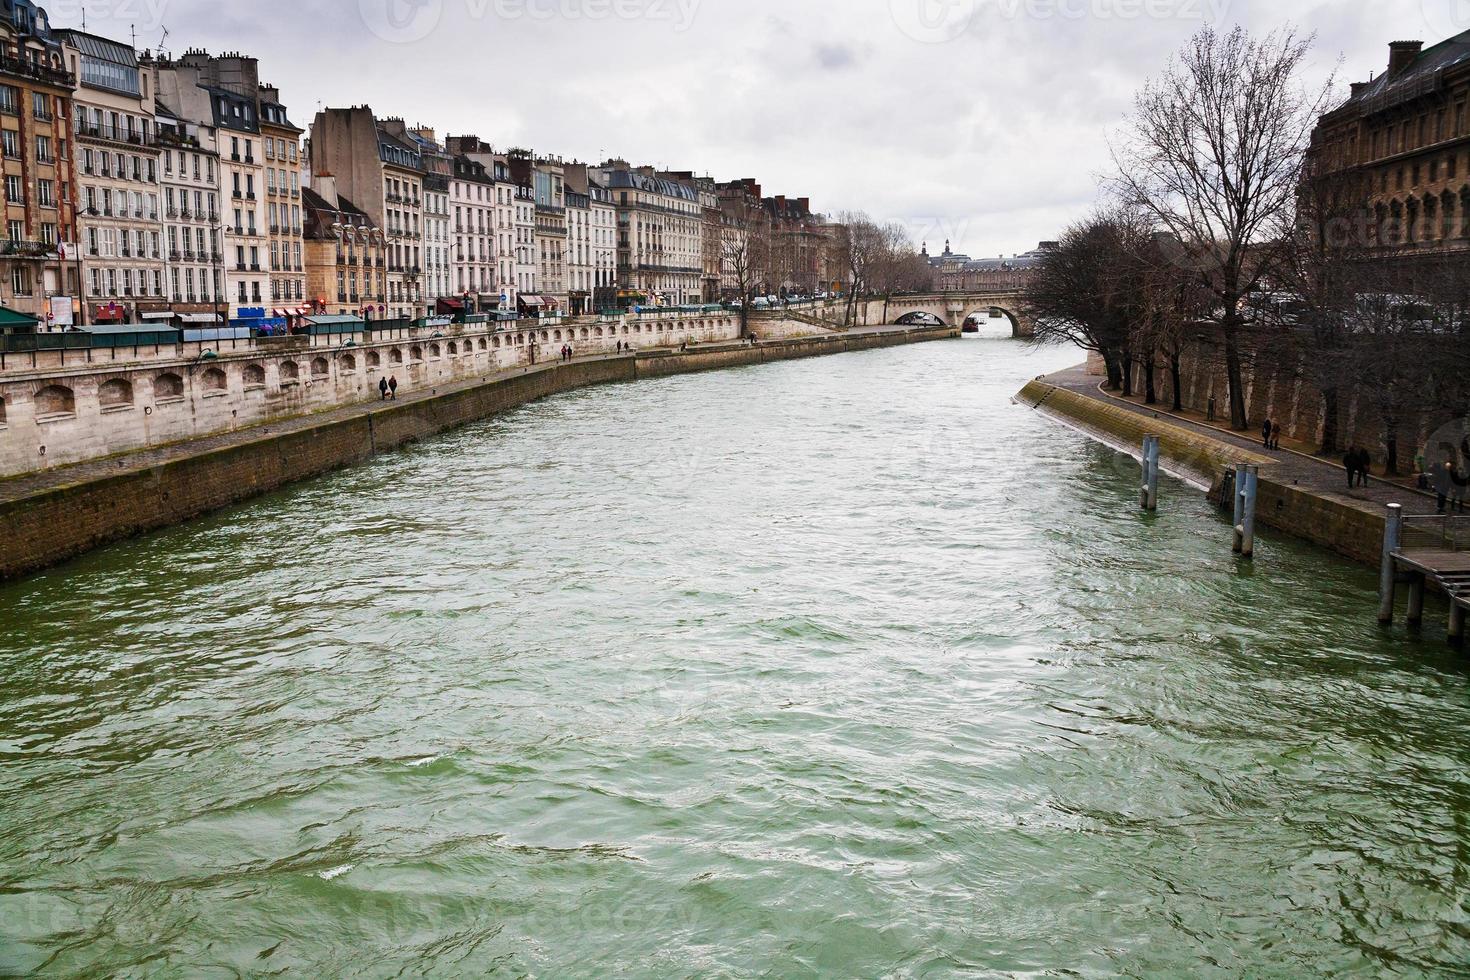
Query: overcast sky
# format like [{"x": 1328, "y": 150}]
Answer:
[{"x": 984, "y": 121}]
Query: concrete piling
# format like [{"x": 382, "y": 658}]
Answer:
[
  {"x": 1393, "y": 533},
  {"x": 1148, "y": 495},
  {"x": 1245, "y": 506}
]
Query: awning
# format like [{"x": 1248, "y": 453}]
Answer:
[
  {"x": 528, "y": 299},
  {"x": 156, "y": 316},
  {"x": 199, "y": 317},
  {"x": 452, "y": 304}
]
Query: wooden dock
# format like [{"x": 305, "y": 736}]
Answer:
[{"x": 1420, "y": 552}]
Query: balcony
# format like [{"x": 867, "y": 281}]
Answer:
[
  {"x": 174, "y": 256},
  {"x": 275, "y": 229},
  {"x": 41, "y": 73},
  {"x": 172, "y": 212},
  {"x": 239, "y": 266},
  {"x": 249, "y": 159},
  {"x": 295, "y": 192},
  {"x": 249, "y": 195},
  {"x": 43, "y": 115},
  {"x": 255, "y": 267},
  {"x": 184, "y": 213}
]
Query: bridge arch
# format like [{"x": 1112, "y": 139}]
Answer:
[{"x": 1020, "y": 325}]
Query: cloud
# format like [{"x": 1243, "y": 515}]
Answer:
[
  {"x": 990, "y": 122},
  {"x": 832, "y": 57}
]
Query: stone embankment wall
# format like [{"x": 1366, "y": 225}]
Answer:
[
  {"x": 61, "y": 521},
  {"x": 1352, "y": 529},
  {"x": 60, "y": 415},
  {"x": 1278, "y": 387}
]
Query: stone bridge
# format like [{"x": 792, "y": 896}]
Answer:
[
  {"x": 951, "y": 308},
  {"x": 914, "y": 309}
]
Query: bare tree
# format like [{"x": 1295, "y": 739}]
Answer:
[
  {"x": 745, "y": 251},
  {"x": 1086, "y": 291},
  {"x": 860, "y": 245},
  {"x": 1213, "y": 155}
]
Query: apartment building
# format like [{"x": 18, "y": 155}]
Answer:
[
  {"x": 346, "y": 254},
  {"x": 37, "y": 255},
  {"x": 118, "y": 186},
  {"x": 660, "y": 235},
  {"x": 282, "y": 159},
  {"x": 193, "y": 252}
]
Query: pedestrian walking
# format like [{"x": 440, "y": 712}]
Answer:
[
  {"x": 1266, "y": 433},
  {"x": 383, "y": 388},
  {"x": 393, "y": 387},
  {"x": 1350, "y": 463},
  {"x": 1442, "y": 484},
  {"x": 1275, "y": 435}
]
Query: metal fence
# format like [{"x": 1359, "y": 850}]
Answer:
[{"x": 1438, "y": 532}]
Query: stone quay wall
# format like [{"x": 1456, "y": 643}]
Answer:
[
  {"x": 1353, "y": 530},
  {"x": 70, "y": 413},
  {"x": 61, "y": 521}
]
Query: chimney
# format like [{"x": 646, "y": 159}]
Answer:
[
  {"x": 1402, "y": 54},
  {"x": 326, "y": 186},
  {"x": 1359, "y": 87}
]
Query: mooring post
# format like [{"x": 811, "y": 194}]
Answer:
[
  {"x": 1143, "y": 487},
  {"x": 1457, "y": 623},
  {"x": 1416, "y": 601},
  {"x": 1393, "y": 531},
  {"x": 1248, "y": 522},
  {"x": 1151, "y": 489},
  {"x": 1239, "y": 495}
]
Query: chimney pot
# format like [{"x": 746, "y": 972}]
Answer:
[{"x": 1402, "y": 54}]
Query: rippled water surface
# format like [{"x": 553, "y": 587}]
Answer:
[{"x": 833, "y": 667}]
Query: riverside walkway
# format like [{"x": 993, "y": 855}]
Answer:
[{"x": 1290, "y": 465}]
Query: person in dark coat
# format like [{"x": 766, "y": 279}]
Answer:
[
  {"x": 1266, "y": 428},
  {"x": 393, "y": 388},
  {"x": 383, "y": 388}
]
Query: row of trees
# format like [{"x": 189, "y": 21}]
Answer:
[
  {"x": 1220, "y": 234},
  {"x": 869, "y": 258}
]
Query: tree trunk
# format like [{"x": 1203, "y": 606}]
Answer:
[
  {"x": 1329, "y": 421},
  {"x": 1115, "y": 377},
  {"x": 1239, "y": 421},
  {"x": 1150, "y": 386},
  {"x": 1174, "y": 373},
  {"x": 1391, "y": 444},
  {"x": 1127, "y": 361}
]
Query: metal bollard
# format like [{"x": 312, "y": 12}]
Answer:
[
  {"x": 1148, "y": 494},
  {"x": 1393, "y": 534},
  {"x": 1239, "y": 494},
  {"x": 1245, "y": 529},
  {"x": 1248, "y": 525},
  {"x": 1151, "y": 487}
]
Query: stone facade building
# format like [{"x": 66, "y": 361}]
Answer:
[
  {"x": 1400, "y": 145},
  {"x": 38, "y": 257},
  {"x": 346, "y": 254},
  {"x": 660, "y": 235},
  {"x": 222, "y": 93},
  {"x": 382, "y": 175},
  {"x": 189, "y": 178},
  {"x": 476, "y": 279},
  {"x": 117, "y": 155},
  {"x": 281, "y": 141}
]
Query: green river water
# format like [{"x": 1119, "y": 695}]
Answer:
[{"x": 840, "y": 667}]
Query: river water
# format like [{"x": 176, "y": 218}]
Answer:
[{"x": 838, "y": 667}]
